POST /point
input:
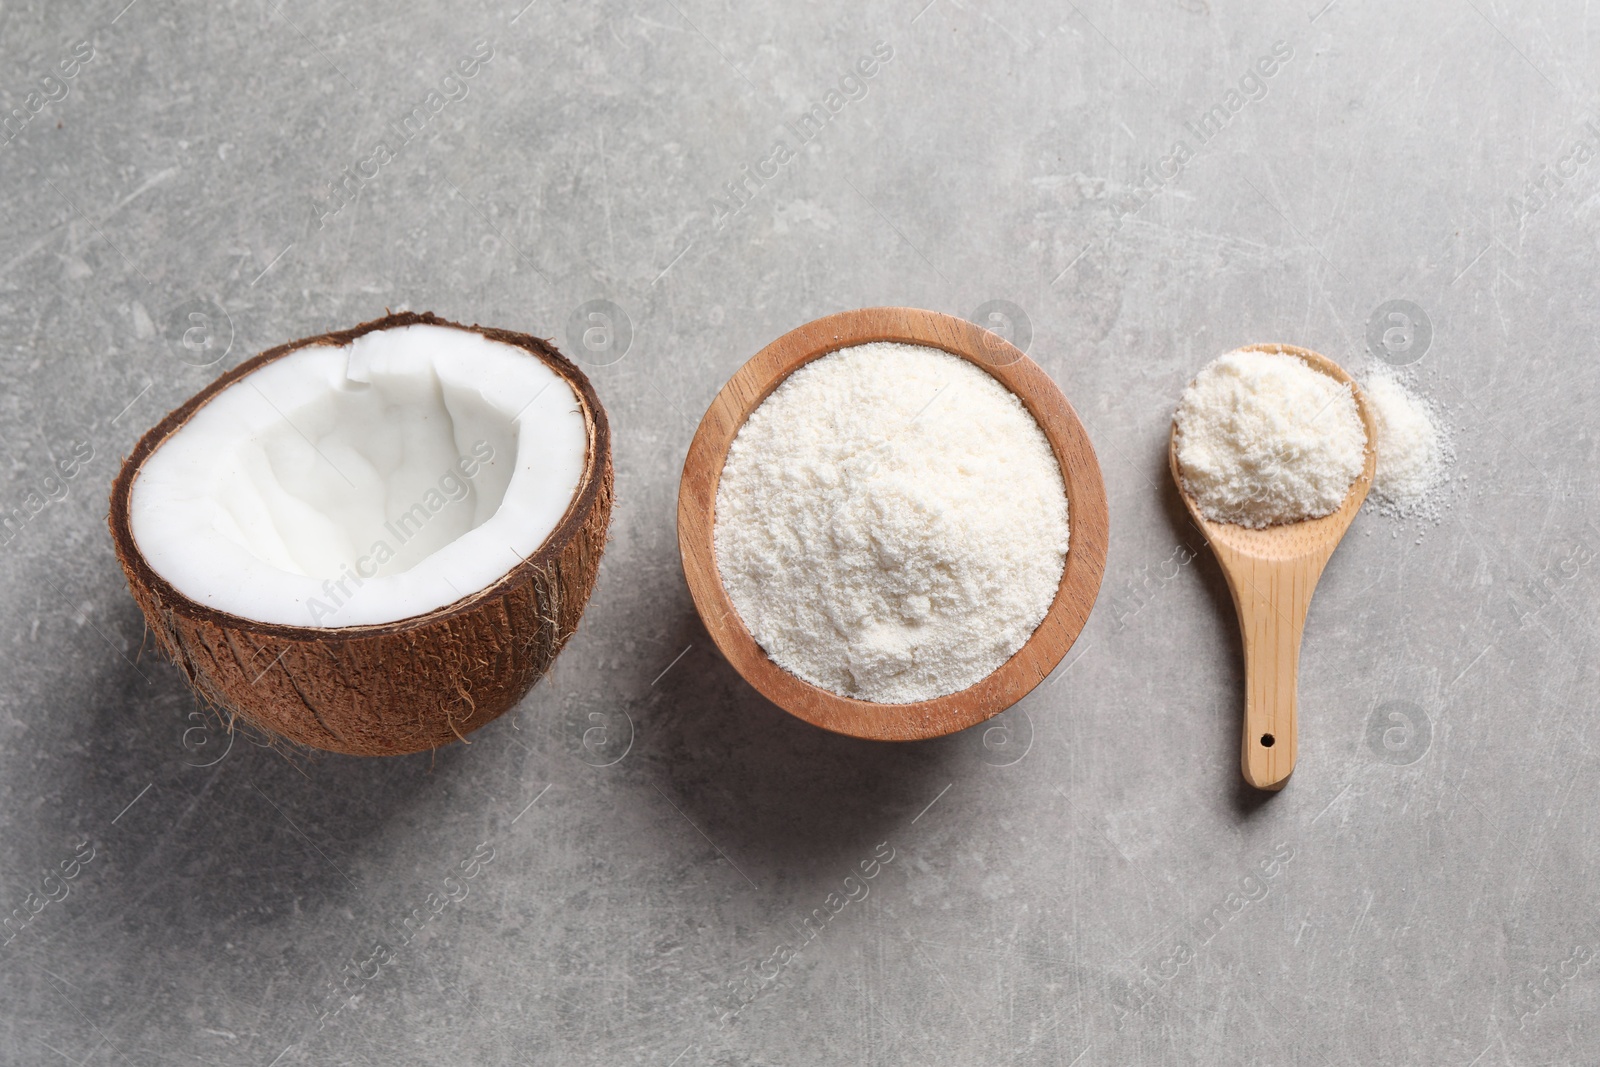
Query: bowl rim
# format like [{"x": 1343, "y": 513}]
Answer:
[{"x": 1081, "y": 576}]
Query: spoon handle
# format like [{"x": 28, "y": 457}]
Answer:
[{"x": 1272, "y": 597}]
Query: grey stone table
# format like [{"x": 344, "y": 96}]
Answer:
[{"x": 646, "y": 862}]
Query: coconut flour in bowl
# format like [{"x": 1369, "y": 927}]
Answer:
[{"x": 891, "y": 523}]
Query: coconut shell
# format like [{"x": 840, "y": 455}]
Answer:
[{"x": 392, "y": 688}]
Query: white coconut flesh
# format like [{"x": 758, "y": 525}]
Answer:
[{"x": 364, "y": 484}]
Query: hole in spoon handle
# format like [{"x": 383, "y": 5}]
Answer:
[{"x": 1272, "y": 598}]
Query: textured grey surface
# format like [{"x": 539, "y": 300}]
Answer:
[{"x": 1074, "y": 889}]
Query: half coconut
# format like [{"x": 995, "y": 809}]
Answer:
[{"x": 373, "y": 541}]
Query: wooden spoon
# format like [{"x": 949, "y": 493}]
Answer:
[{"x": 1272, "y": 574}]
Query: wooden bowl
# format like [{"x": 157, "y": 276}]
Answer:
[{"x": 1086, "y": 503}]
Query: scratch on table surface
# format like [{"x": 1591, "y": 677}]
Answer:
[
  {"x": 1415, "y": 901},
  {"x": 28, "y": 253},
  {"x": 149, "y": 183},
  {"x": 1469, "y": 666},
  {"x": 1298, "y": 934},
  {"x": 1336, "y": 313},
  {"x": 994, "y": 954},
  {"x": 49, "y": 234},
  {"x": 874, "y": 1004},
  {"x": 1189, "y": 240},
  {"x": 1371, "y": 896},
  {"x": 1536, "y": 843},
  {"x": 944, "y": 981},
  {"x": 1485, "y": 1051},
  {"x": 605, "y": 191},
  {"x": 653, "y": 24},
  {"x": 1330, "y": 803}
]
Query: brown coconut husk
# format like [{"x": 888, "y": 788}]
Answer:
[{"x": 388, "y": 689}]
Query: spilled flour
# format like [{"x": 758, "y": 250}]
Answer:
[{"x": 1414, "y": 453}]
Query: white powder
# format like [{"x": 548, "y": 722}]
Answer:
[
  {"x": 1263, "y": 438},
  {"x": 1413, "y": 451},
  {"x": 891, "y": 523}
]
